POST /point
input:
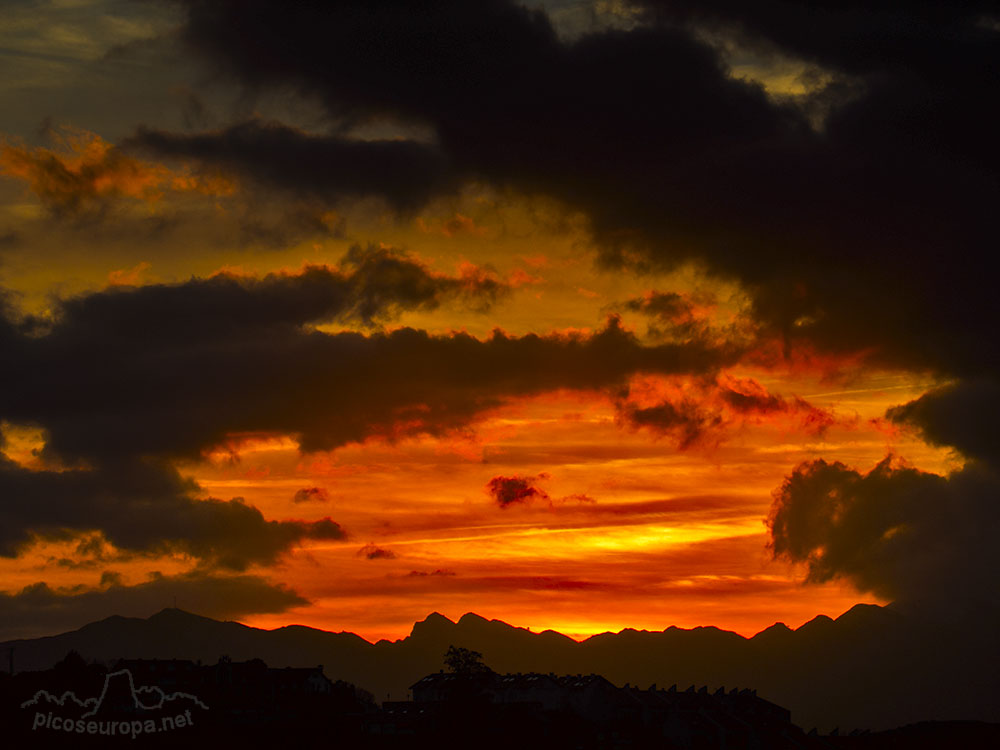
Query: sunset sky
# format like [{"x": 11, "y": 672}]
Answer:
[{"x": 578, "y": 314}]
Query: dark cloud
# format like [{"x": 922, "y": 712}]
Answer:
[
  {"x": 961, "y": 415},
  {"x": 39, "y": 608},
  {"x": 407, "y": 174},
  {"x": 855, "y": 37},
  {"x": 170, "y": 371},
  {"x": 924, "y": 540},
  {"x": 918, "y": 538},
  {"x": 688, "y": 421},
  {"x": 384, "y": 282},
  {"x": 861, "y": 234},
  {"x": 507, "y": 491},
  {"x": 142, "y": 508},
  {"x": 311, "y": 495},
  {"x": 372, "y": 551},
  {"x": 370, "y": 284}
]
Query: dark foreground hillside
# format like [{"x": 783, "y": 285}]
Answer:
[
  {"x": 870, "y": 669},
  {"x": 165, "y": 703}
]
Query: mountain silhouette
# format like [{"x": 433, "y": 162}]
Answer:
[{"x": 870, "y": 668}]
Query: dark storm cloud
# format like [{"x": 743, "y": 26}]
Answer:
[
  {"x": 371, "y": 284},
  {"x": 903, "y": 534},
  {"x": 39, "y": 608},
  {"x": 403, "y": 172},
  {"x": 124, "y": 380},
  {"x": 172, "y": 371},
  {"x": 961, "y": 415},
  {"x": 861, "y": 235},
  {"x": 145, "y": 508},
  {"x": 507, "y": 491}
]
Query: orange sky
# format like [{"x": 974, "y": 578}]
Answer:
[
  {"x": 643, "y": 501},
  {"x": 637, "y": 530},
  {"x": 633, "y": 532}
]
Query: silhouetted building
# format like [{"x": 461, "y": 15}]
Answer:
[{"x": 608, "y": 715}]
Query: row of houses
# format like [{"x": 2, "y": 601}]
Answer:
[
  {"x": 591, "y": 694},
  {"x": 691, "y": 718}
]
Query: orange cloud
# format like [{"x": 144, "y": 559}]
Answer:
[
  {"x": 85, "y": 172},
  {"x": 700, "y": 412},
  {"x": 128, "y": 276}
]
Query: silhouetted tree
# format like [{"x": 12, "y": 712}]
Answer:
[
  {"x": 463, "y": 661},
  {"x": 466, "y": 697}
]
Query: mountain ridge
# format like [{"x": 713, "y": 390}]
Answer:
[{"x": 868, "y": 668}]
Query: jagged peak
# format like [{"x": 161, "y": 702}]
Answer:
[
  {"x": 437, "y": 617},
  {"x": 434, "y": 622}
]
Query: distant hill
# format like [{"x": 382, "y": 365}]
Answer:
[{"x": 870, "y": 668}]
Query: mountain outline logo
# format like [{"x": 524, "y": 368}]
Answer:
[{"x": 121, "y": 709}]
